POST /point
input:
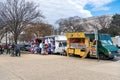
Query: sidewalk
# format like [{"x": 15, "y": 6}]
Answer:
[{"x": 55, "y": 67}]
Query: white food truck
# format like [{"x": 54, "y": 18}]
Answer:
[{"x": 57, "y": 44}]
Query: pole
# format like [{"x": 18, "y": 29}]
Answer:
[
  {"x": 97, "y": 50},
  {"x": 6, "y": 38},
  {"x": 96, "y": 38},
  {"x": 9, "y": 40}
]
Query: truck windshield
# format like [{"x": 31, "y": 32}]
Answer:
[
  {"x": 62, "y": 44},
  {"x": 106, "y": 42}
]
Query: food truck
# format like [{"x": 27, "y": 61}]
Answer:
[
  {"x": 84, "y": 45},
  {"x": 56, "y": 44},
  {"x": 35, "y": 44},
  {"x": 77, "y": 44}
]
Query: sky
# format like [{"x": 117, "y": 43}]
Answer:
[{"x": 57, "y": 9}]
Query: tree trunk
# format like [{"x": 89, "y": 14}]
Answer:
[{"x": 15, "y": 38}]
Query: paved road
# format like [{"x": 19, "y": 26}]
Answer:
[{"x": 54, "y": 67}]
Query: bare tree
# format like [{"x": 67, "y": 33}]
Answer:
[
  {"x": 2, "y": 30},
  {"x": 71, "y": 24},
  {"x": 104, "y": 21},
  {"x": 37, "y": 30},
  {"x": 16, "y": 13}
]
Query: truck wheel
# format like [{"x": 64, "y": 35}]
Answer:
[
  {"x": 64, "y": 53},
  {"x": 69, "y": 54},
  {"x": 102, "y": 56},
  {"x": 111, "y": 58}
]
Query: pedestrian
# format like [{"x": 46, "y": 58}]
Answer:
[
  {"x": 37, "y": 48},
  {"x": 8, "y": 49},
  {"x": 33, "y": 48},
  {"x": 13, "y": 49},
  {"x": 2, "y": 48},
  {"x": 17, "y": 50},
  {"x": 42, "y": 46},
  {"x": 46, "y": 48}
]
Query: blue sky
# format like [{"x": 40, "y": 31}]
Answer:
[
  {"x": 56, "y": 9},
  {"x": 113, "y": 8}
]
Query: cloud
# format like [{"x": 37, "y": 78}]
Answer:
[
  {"x": 95, "y": 4},
  {"x": 56, "y": 9},
  {"x": 80, "y": 7},
  {"x": 100, "y": 4}
]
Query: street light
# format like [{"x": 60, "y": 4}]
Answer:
[
  {"x": 6, "y": 37},
  {"x": 9, "y": 37},
  {"x": 96, "y": 38}
]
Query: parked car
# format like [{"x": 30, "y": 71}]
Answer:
[{"x": 25, "y": 47}]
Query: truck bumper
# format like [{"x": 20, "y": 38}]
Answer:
[{"x": 113, "y": 55}]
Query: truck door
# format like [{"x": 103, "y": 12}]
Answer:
[{"x": 93, "y": 49}]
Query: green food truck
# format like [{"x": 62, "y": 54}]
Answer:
[{"x": 105, "y": 47}]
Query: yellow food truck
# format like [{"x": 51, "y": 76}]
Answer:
[{"x": 77, "y": 44}]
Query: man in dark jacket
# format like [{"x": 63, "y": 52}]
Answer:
[
  {"x": 8, "y": 49},
  {"x": 13, "y": 49},
  {"x": 17, "y": 50},
  {"x": 0, "y": 49}
]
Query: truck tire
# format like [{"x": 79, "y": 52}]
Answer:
[
  {"x": 102, "y": 56},
  {"x": 64, "y": 53},
  {"x": 110, "y": 58}
]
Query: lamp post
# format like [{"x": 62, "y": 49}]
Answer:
[
  {"x": 96, "y": 38},
  {"x": 6, "y": 38},
  {"x": 9, "y": 37}
]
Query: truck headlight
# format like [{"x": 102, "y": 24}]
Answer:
[{"x": 109, "y": 52}]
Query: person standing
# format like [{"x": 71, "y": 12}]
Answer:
[
  {"x": 2, "y": 48},
  {"x": 17, "y": 50},
  {"x": 13, "y": 49},
  {"x": 42, "y": 47},
  {"x": 8, "y": 49}
]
